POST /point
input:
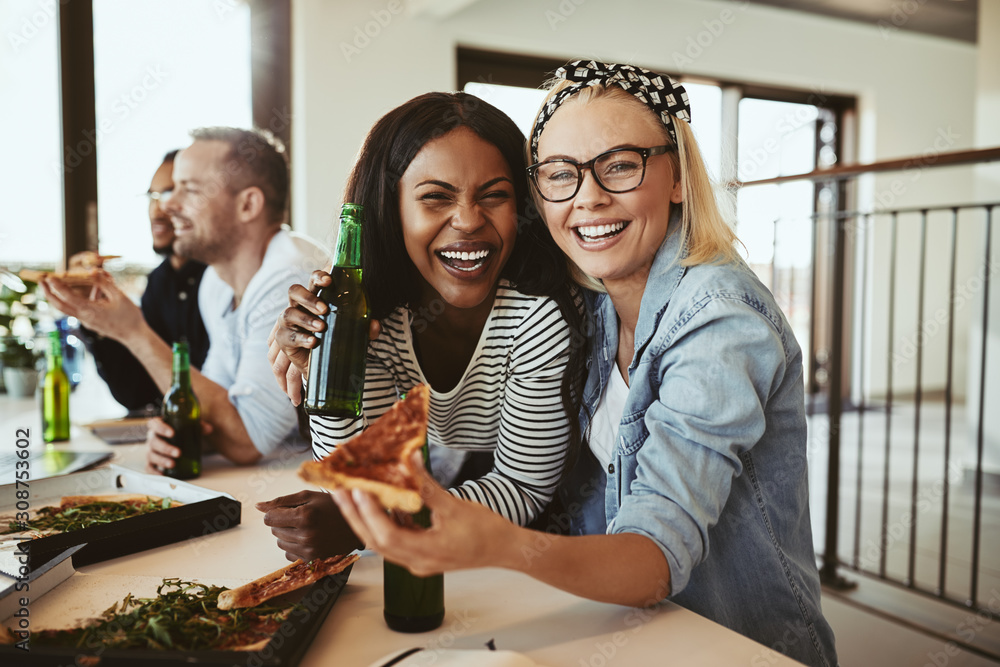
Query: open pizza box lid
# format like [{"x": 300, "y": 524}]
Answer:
[
  {"x": 203, "y": 511},
  {"x": 36, "y": 583}
]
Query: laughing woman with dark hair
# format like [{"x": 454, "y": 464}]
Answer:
[
  {"x": 473, "y": 299},
  {"x": 693, "y": 485}
]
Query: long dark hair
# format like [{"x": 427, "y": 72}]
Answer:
[{"x": 536, "y": 265}]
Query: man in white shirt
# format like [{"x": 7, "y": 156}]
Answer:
[{"x": 227, "y": 208}]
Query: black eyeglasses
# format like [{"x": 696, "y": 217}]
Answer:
[
  {"x": 160, "y": 197},
  {"x": 618, "y": 170}
]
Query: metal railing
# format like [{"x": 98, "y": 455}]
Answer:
[{"x": 897, "y": 410}]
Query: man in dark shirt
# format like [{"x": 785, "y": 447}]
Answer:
[{"x": 169, "y": 305}]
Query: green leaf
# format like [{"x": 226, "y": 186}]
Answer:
[{"x": 158, "y": 626}]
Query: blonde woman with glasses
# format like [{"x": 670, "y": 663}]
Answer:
[{"x": 693, "y": 483}]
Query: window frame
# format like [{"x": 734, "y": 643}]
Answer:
[{"x": 271, "y": 100}]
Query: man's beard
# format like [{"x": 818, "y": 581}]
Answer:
[
  {"x": 164, "y": 250},
  {"x": 205, "y": 251},
  {"x": 178, "y": 248}
]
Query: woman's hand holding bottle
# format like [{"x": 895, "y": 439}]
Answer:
[{"x": 291, "y": 339}]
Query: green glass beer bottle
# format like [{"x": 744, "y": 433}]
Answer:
[
  {"x": 337, "y": 365},
  {"x": 182, "y": 413},
  {"x": 412, "y": 603},
  {"x": 55, "y": 394}
]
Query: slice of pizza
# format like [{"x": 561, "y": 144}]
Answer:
[
  {"x": 73, "y": 278},
  {"x": 282, "y": 581},
  {"x": 378, "y": 459},
  {"x": 88, "y": 259},
  {"x": 83, "y": 269}
]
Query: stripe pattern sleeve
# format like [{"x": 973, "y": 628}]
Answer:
[
  {"x": 379, "y": 395},
  {"x": 507, "y": 401},
  {"x": 532, "y": 436}
]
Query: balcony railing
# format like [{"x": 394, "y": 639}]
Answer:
[{"x": 903, "y": 319}]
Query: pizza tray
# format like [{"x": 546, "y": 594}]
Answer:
[
  {"x": 60, "y": 597},
  {"x": 203, "y": 511}
]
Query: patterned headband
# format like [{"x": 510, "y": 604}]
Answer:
[{"x": 659, "y": 92}]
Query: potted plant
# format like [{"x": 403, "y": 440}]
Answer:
[
  {"x": 19, "y": 358},
  {"x": 18, "y": 353}
]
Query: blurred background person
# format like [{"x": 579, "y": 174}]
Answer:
[
  {"x": 169, "y": 305},
  {"x": 228, "y": 208}
]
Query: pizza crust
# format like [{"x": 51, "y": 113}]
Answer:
[
  {"x": 287, "y": 579},
  {"x": 379, "y": 459},
  {"x": 391, "y": 497},
  {"x": 74, "y": 278},
  {"x": 88, "y": 259},
  {"x": 256, "y": 646}
]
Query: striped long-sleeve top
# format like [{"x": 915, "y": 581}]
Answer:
[{"x": 507, "y": 401}]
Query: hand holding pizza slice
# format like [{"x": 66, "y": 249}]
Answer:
[{"x": 380, "y": 459}]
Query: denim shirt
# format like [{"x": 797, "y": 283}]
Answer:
[{"x": 710, "y": 458}]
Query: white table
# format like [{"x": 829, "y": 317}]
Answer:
[{"x": 516, "y": 612}]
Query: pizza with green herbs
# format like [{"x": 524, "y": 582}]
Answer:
[
  {"x": 77, "y": 512},
  {"x": 184, "y": 616},
  {"x": 189, "y": 616}
]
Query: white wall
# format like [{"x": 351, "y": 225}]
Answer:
[
  {"x": 916, "y": 93},
  {"x": 911, "y": 88}
]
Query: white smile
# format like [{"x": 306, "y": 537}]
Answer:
[
  {"x": 465, "y": 256},
  {"x": 461, "y": 260},
  {"x": 180, "y": 225},
  {"x": 596, "y": 232}
]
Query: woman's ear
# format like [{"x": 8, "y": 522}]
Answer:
[{"x": 677, "y": 194}]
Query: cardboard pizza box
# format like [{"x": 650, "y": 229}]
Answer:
[
  {"x": 203, "y": 511},
  {"x": 57, "y": 596}
]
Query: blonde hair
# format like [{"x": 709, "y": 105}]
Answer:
[{"x": 705, "y": 232}]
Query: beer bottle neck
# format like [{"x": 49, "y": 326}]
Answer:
[
  {"x": 182, "y": 369},
  {"x": 348, "y": 253},
  {"x": 54, "y": 353}
]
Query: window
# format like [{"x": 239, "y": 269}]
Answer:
[
  {"x": 522, "y": 104},
  {"x": 161, "y": 68},
  {"x": 773, "y": 131},
  {"x": 779, "y": 139},
  {"x": 775, "y": 139},
  {"x": 31, "y": 171},
  {"x": 706, "y": 123}
]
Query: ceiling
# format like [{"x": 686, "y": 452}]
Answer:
[{"x": 955, "y": 19}]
